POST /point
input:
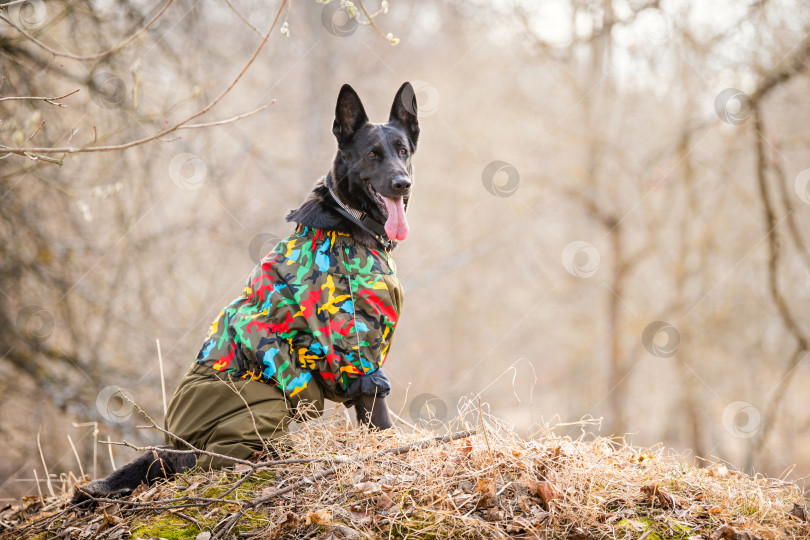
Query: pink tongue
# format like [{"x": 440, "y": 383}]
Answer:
[{"x": 396, "y": 227}]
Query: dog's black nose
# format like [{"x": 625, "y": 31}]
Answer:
[{"x": 401, "y": 183}]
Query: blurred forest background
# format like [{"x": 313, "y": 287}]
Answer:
[{"x": 611, "y": 214}]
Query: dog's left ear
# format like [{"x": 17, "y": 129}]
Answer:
[{"x": 403, "y": 112}]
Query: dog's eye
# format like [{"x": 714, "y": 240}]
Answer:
[
  {"x": 403, "y": 152},
  {"x": 372, "y": 154}
]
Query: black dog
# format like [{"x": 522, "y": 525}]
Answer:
[
  {"x": 372, "y": 169},
  {"x": 365, "y": 195}
]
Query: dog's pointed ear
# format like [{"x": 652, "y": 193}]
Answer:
[
  {"x": 349, "y": 114},
  {"x": 403, "y": 112}
]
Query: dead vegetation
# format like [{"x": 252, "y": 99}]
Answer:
[{"x": 479, "y": 481}]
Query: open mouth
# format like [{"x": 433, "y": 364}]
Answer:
[
  {"x": 396, "y": 226},
  {"x": 378, "y": 199}
]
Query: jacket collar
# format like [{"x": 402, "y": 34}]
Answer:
[{"x": 359, "y": 218}]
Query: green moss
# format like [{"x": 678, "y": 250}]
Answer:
[
  {"x": 639, "y": 525},
  {"x": 166, "y": 526},
  {"x": 171, "y": 527},
  {"x": 255, "y": 483},
  {"x": 214, "y": 492},
  {"x": 422, "y": 525},
  {"x": 659, "y": 530}
]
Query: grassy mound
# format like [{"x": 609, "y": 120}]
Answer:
[{"x": 481, "y": 482}]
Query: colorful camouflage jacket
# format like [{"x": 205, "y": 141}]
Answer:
[{"x": 318, "y": 306}]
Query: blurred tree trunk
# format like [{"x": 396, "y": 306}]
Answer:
[
  {"x": 599, "y": 90},
  {"x": 617, "y": 386},
  {"x": 686, "y": 376}
]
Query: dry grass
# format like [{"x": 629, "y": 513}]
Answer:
[{"x": 492, "y": 484}]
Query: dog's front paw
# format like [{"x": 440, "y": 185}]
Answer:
[
  {"x": 372, "y": 411},
  {"x": 375, "y": 383}
]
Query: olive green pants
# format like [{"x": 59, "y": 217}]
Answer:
[{"x": 233, "y": 417}]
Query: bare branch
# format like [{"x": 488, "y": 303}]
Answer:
[
  {"x": 243, "y": 18},
  {"x": 51, "y": 100},
  {"x": 229, "y": 120},
  {"x": 163, "y": 132},
  {"x": 796, "y": 63},
  {"x": 92, "y": 57},
  {"x": 370, "y": 18}
]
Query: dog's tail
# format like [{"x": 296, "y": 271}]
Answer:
[{"x": 147, "y": 469}]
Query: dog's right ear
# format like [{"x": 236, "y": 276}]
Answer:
[{"x": 349, "y": 115}]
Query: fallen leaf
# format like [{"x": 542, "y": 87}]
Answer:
[
  {"x": 537, "y": 532},
  {"x": 486, "y": 487},
  {"x": 579, "y": 534},
  {"x": 140, "y": 490},
  {"x": 368, "y": 487},
  {"x": 799, "y": 512},
  {"x": 727, "y": 532},
  {"x": 461, "y": 499},
  {"x": 514, "y": 529},
  {"x": 319, "y": 517},
  {"x": 493, "y": 514},
  {"x": 465, "y": 449},
  {"x": 719, "y": 470},
  {"x": 389, "y": 481},
  {"x": 549, "y": 493},
  {"x": 384, "y": 501},
  {"x": 529, "y": 483},
  {"x": 643, "y": 457},
  {"x": 466, "y": 486},
  {"x": 342, "y": 532},
  {"x": 359, "y": 476},
  {"x": 289, "y": 521},
  {"x": 362, "y": 517},
  {"x": 655, "y": 493}
]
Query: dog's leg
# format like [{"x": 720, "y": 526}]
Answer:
[
  {"x": 372, "y": 411},
  {"x": 147, "y": 469}
]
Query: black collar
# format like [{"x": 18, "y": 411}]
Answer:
[{"x": 361, "y": 219}]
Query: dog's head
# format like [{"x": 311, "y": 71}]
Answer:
[{"x": 372, "y": 170}]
